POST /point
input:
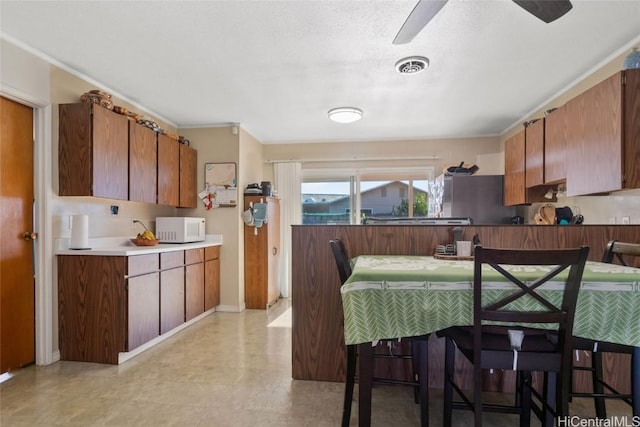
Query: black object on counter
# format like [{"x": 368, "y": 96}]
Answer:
[
  {"x": 517, "y": 219},
  {"x": 266, "y": 188}
]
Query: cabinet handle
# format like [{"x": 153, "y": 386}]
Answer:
[{"x": 274, "y": 250}]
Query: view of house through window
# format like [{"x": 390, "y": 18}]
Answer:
[{"x": 333, "y": 200}]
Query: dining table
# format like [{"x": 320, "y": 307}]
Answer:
[{"x": 397, "y": 296}]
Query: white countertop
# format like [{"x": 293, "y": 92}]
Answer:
[{"x": 122, "y": 246}]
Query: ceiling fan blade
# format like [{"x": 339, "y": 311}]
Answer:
[
  {"x": 546, "y": 10},
  {"x": 420, "y": 16}
]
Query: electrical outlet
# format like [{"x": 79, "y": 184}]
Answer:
[{"x": 626, "y": 220}]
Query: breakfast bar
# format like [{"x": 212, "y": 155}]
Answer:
[{"x": 318, "y": 341}]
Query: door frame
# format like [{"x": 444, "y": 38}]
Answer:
[{"x": 42, "y": 192}]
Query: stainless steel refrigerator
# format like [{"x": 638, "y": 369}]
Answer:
[{"x": 479, "y": 197}]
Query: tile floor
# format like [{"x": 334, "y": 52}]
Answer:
[{"x": 229, "y": 369}]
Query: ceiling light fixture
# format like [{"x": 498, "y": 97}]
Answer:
[
  {"x": 345, "y": 114},
  {"x": 412, "y": 64}
]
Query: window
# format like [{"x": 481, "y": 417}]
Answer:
[{"x": 328, "y": 199}]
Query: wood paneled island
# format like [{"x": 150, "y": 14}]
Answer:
[{"x": 318, "y": 350}]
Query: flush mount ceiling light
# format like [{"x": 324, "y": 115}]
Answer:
[
  {"x": 345, "y": 114},
  {"x": 412, "y": 64}
]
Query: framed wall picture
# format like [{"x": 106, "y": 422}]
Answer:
[{"x": 221, "y": 185}]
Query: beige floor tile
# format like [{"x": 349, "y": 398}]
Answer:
[{"x": 229, "y": 369}]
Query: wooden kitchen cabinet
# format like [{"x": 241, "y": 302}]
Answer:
[
  {"x": 211, "y": 277},
  {"x": 171, "y": 290},
  {"x": 514, "y": 170},
  {"x": 144, "y": 309},
  {"x": 194, "y": 283},
  {"x": 143, "y": 164},
  {"x": 188, "y": 197},
  {"x": 603, "y": 139},
  {"x": 555, "y": 139},
  {"x": 106, "y": 305},
  {"x": 93, "y": 152},
  {"x": 262, "y": 255},
  {"x": 168, "y": 171},
  {"x": 534, "y": 154}
]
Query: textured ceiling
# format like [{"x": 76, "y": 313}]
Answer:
[{"x": 277, "y": 67}]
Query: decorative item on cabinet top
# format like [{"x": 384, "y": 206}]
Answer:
[
  {"x": 98, "y": 97},
  {"x": 104, "y": 100},
  {"x": 632, "y": 60}
]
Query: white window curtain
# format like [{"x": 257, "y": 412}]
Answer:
[{"x": 288, "y": 179}]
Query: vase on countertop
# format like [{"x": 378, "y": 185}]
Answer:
[{"x": 632, "y": 60}]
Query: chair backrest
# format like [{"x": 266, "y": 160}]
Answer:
[
  {"x": 342, "y": 260},
  {"x": 536, "y": 308},
  {"x": 620, "y": 250}
]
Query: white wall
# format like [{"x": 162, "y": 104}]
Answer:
[{"x": 221, "y": 145}]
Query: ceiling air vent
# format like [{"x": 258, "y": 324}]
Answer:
[{"x": 412, "y": 64}]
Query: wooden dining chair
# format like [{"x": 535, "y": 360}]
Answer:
[
  {"x": 418, "y": 365},
  {"x": 619, "y": 252},
  {"x": 497, "y": 315}
]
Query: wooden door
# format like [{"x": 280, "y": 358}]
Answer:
[
  {"x": 168, "y": 171},
  {"x": 143, "y": 163},
  {"x": 273, "y": 249},
  {"x": 17, "y": 293},
  {"x": 514, "y": 170},
  {"x": 110, "y": 154},
  {"x": 534, "y": 157},
  {"x": 143, "y": 309},
  {"x": 188, "y": 177},
  {"x": 555, "y": 137},
  {"x": 595, "y": 155},
  {"x": 211, "y": 277},
  {"x": 171, "y": 299}
]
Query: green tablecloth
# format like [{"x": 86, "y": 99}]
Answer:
[{"x": 402, "y": 296}]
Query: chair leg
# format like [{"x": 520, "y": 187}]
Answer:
[
  {"x": 635, "y": 381},
  {"x": 477, "y": 394},
  {"x": 449, "y": 365},
  {"x": 550, "y": 397},
  {"x": 349, "y": 384},
  {"x": 596, "y": 378},
  {"x": 524, "y": 393},
  {"x": 365, "y": 356},
  {"x": 415, "y": 366},
  {"x": 423, "y": 378}
]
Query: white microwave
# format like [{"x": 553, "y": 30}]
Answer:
[{"x": 180, "y": 229}]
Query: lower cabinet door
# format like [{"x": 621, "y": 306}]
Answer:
[
  {"x": 211, "y": 284},
  {"x": 194, "y": 290},
  {"x": 144, "y": 309},
  {"x": 171, "y": 299}
]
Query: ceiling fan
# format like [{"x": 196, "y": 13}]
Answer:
[{"x": 546, "y": 10}]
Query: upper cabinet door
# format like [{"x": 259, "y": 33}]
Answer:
[
  {"x": 143, "y": 164},
  {"x": 534, "y": 158},
  {"x": 110, "y": 154},
  {"x": 188, "y": 177},
  {"x": 514, "y": 170},
  {"x": 631, "y": 128},
  {"x": 168, "y": 171},
  {"x": 595, "y": 153},
  {"x": 555, "y": 137},
  {"x": 93, "y": 152}
]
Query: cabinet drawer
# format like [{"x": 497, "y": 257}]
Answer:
[
  {"x": 171, "y": 259},
  {"x": 212, "y": 252},
  {"x": 141, "y": 264},
  {"x": 192, "y": 256}
]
